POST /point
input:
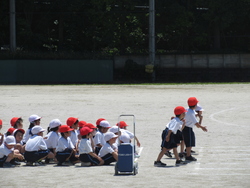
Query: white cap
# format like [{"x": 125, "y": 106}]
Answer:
[
  {"x": 37, "y": 129},
  {"x": 125, "y": 138},
  {"x": 109, "y": 135},
  {"x": 105, "y": 124},
  {"x": 10, "y": 140},
  {"x": 199, "y": 108},
  {"x": 114, "y": 129},
  {"x": 54, "y": 123},
  {"x": 33, "y": 118}
]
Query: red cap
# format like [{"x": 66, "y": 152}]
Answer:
[
  {"x": 192, "y": 101},
  {"x": 82, "y": 123},
  {"x": 71, "y": 121},
  {"x": 11, "y": 130},
  {"x": 23, "y": 131},
  {"x": 122, "y": 124},
  {"x": 13, "y": 121},
  {"x": 179, "y": 110},
  {"x": 1, "y": 122},
  {"x": 99, "y": 121},
  {"x": 85, "y": 131},
  {"x": 90, "y": 125},
  {"x": 65, "y": 128}
]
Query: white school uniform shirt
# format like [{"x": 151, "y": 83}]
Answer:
[
  {"x": 174, "y": 125},
  {"x": 52, "y": 139},
  {"x": 85, "y": 146},
  {"x": 99, "y": 138},
  {"x": 35, "y": 143},
  {"x": 106, "y": 148},
  {"x": 124, "y": 131},
  {"x": 190, "y": 118},
  {"x": 73, "y": 137},
  {"x": 64, "y": 144},
  {"x": 26, "y": 136},
  {"x": 4, "y": 151}
]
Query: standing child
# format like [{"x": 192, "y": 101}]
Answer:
[
  {"x": 107, "y": 152},
  {"x": 87, "y": 156},
  {"x": 188, "y": 133},
  {"x": 7, "y": 152},
  {"x": 170, "y": 138},
  {"x": 65, "y": 150},
  {"x": 36, "y": 149},
  {"x": 99, "y": 137},
  {"x": 34, "y": 120},
  {"x": 52, "y": 137}
]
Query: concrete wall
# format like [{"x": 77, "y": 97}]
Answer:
[{"x": 55, "y": 71}]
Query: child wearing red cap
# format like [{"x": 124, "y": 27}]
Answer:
[
  {"x": 188, "y": 133},
  {"x": 74, "y": 124},
  {"x": 16, "y": 122},
  {"x": 170, "y": 138},
  {"x": 18, "y": 134},
  {"x": 1, "y": 135},
  {"x": 65, "y": 150},
  {"x": 87, "y": 156},
  {"x": 99, "y": 137}
]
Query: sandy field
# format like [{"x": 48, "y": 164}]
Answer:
[{"x": 223, "y": 153}]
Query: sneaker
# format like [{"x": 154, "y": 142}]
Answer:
[
  {"x": 168, "y": 153},
  {"x": 191, "y": 158},
  {"x": 39, "y": 163},
  {"x": 159, "y": 163},
  {"x": 29, "y": 163},
  {"x": 182, "y": 155},
  {"x": 14, "y": 162},
  {"x": 47, "y": 160},
  {"x": 191, "y": 151},
  {"x": 180, "y": 162},
  {"x": 85, "y": 163},
  {"x": 8, "y": 165}
]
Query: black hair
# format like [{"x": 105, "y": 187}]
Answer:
[
  {"x": 62, "y": 134},
  {"x": 84, "y": 136},
  {"x": 8, "y": 133},
  {"x": 30, "y": 127},
  {"x": 52, "y": 129},
  {"x": 192, "y": 106},
  {"x": 99, "y": 127},
  {"x": 18, "y": 121},
  {"x": 178, "y": 115},
  {"x": 17, "y": 132}
]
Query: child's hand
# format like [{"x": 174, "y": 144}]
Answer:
[
  {"x": 167, "y": 138},
  {"x": 204, "y": 129}
]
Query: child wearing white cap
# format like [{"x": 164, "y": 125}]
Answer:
[
  {"x": 7, "y": 152},
  {"x": 107, "y": 152},
  {"x": 1, "y": 135},
  {"x": 34, "y": 120},
  {"x": 65, "y": 150},
  {"x": 99, "y": 137},
  {"x": 51, "y": 139},
  {"x": 36, "y": 149}
]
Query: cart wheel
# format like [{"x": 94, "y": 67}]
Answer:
[
  {"x": 116, "y": 169},
  {"x": 135, "y": 168}
]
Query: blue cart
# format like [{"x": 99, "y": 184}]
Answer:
[{"x": 126, "y": 161}]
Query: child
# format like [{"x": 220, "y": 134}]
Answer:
[
  {"x": 7, "y": 152},
  {"x": 34, "y": 120},
  {"x": 52, "y": 137},
  {"x": 18, "y": 134},
  {"x": 36, "y": 149},
  {"x": 16, "y": 122},
  {"x": 99, "y": 137},
  {"x": 123, "y": 125},
  {"x": 1, "y": 135},
  {"x": 87, "y": 156},
  {"x": 65, "y": 150},
  {"x": 170, "y": 138},
  {"x": 188, "y": 133},
  {"x": 107, "y": 152},
  {"x": 73, "y": 123}
]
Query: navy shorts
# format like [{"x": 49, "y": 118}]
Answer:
[
  {"x": 189, "y": 136},
  {"x": 33, "y": 156},
  {"x": 62, "y": 156},
  {"x": 178, "y": 137},
  {"x": 108, "y": 159},
  {"x": 172, "y": 141},
  {"x": 2, "y": 160},
  {"x": 88, "y": 158}
]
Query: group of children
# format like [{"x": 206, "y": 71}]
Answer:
[
  {"x": 179, "y": 131},
  {"x": 75, "y": 142}
]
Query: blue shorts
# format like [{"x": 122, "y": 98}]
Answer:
[
  {"x": 189, "y": 136},
  {"x": 2, "y": 160},
  {"x": 88, "y": 158},
  {"x": 33, "y": 156},
  {"x": 172, "y": 141},
  {"x": 108, "y": 159},
  {"x": 62, "y": 156}
]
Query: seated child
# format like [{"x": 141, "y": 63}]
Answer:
[
  {"x": 36, "y": 149},
  {"x": 87, "y": 156},
  {"x": 65, "y": 150},
  {"x": 7, "y": 152},
  {"x": 107, "y": 152}
]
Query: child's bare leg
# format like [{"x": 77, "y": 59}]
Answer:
[
  {"x": 182, "y": 146},
  {"x": 163, "y": 151},
  {"x": 176, "y": 154},
  {"x": 188, "y": 150}
]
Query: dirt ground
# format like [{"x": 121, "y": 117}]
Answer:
[{"x": 223, "y": 152}]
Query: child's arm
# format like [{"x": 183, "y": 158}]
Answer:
[
  {"x": 1, "y": 140},
  {"x": 202, "y": 127},
  {"x": 137, "y": 141},
  {"x": 168, "y": 136},
  {"x": 115, "y": 155},
  {"x": 200, "y": 116},
  {"x": 96, "y": 156},
  {"x": 184, "y": 124}
]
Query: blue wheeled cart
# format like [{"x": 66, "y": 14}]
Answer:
[{"x": 126, "y": 163}]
